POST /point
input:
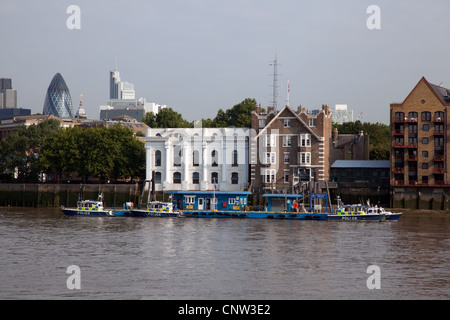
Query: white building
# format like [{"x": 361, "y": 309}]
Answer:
[
  {"x": 342, "y": 114},
  {"x": 201, "y": 159}
]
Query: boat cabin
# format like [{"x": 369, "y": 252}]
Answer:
[
  {"x": 159, "y": 206},
  {"x": 90, "y": 205},
  {"x": 283, "y": 202},
  {"x": 210, "y": 200}
]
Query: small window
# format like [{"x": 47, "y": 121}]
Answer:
[
  {"x": 158, "y": 158},
  {"x": 176, "y": 177},
  {"x": 158, "y": 177},
  {"x": 195, "y": 178},
  {"x": 425, "y": 127},
  {"x": 424, "y": 140},
  {"x": 287, "y": 123},
  {"x": 235, "y": 178}
]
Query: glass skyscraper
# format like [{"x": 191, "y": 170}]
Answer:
[{"x": 58, "y": 101}]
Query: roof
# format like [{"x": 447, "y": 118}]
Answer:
[
  {"x": 282, "y": 195},
  {"x": 379, "y": 164},
  {"x": 239, "y": 193}
]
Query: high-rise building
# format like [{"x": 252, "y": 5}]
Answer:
[
  {"x": 8, "y": 96},
  {"x": 120, "y": 89},
  {"x": 58, "y": 100}
]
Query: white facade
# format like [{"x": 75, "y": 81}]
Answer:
[{"x": 201, "y": 159}]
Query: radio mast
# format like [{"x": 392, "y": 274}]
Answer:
[{"x": 275, "y": 83}]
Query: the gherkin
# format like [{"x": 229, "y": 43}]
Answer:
[{"x": 57, "y": 100}]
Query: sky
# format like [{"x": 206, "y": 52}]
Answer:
[{"x": 197, "y": 56}]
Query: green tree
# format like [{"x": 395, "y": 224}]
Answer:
[
  {"x": 166, "y": 118},
  {"x": 379, "y": 136},
  {"x": 19, "y": 152},
  {"x": 240, "y": 116}
]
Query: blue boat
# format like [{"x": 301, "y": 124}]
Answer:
[
  {"x": 356, "y": 212},
  {"x": 155, "y": 209},
  {"x": 95, "y": 208}
]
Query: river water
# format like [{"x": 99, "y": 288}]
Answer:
[{"x": 226, "y": 259}]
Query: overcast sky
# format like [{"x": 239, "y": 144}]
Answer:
[{"x": 197, "y": 56}]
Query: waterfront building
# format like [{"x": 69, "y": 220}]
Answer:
[
  {"x": 419, "y": 150},
  {"x": 290, "y": 147},
  {"x": 198, "y": 159},
  {"x": 58, "y": 101}
]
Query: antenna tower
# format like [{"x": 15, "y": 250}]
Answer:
[{"x": 275, "y": 83}]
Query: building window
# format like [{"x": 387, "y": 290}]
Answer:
[
  {"x": 177, "y": 154},
  {"x": 214, "y": 157},
  {"x": 305, "y": 140},
  {"x": 195, "y": 158},
  {"x": 189, "y": 199},
  {"x": 235, "y": 178},
  {"x": 424, "y": 140},
  {"x": 214, "y": 177},
  {"x": 158, "y": 158},
  {"x": 305, "y": 157},
  {"x": 312, "y": 122},
  {"x": 425, "y": 116},
  {"x": 286, "y": 176},
  {"x": 439, "y": 116},
  {"x": 195, "y": 178},
  {"x": 269, "y": 176},
  {"x": 424, "y": 154},
  {"x": 176, "y": 177},
  {"x": 262, "y": 123},
  {"x": 413, "y": 115},
  {"x": 425, "y": 127},
  {"x": 287, "y": 123},
  {"x": 287, "y": 141},
  {"x": 235, "y": 158},
  {"x": 158, "y": 177},
  {"x": 399, "y": 116},
  {"x": 286, "y": 158},
  {"x": 425, "y": 166},
  {"x": 270, "y": 140},
  {"x": 270, "y": 158}
]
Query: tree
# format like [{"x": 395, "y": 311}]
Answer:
[
  {"x": 379, "y": 135},
  {"x": 240, "y": 116},
  {"x": 19, "y": 152},
  {"x": 166, "y": 118}
]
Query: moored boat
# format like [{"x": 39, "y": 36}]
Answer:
[
  {"x": 155, "y": 209},
  {"x": 356, "y": 212},
  {"x": 88, "y": 208}
]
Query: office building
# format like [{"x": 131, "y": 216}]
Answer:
[
  {"x": 58, "y": 101},
  {"x": 8, "y": 96}
]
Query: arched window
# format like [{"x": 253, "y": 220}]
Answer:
[
  {"x": 235, "y": 158},
  {"x": 158, "y": 177},
  {"x": 195, "y": 158},
  {"x": 177, "y": 177},
  {"x": 195, "y": 178},
  {"x": 177, "y": 155},
  {"x": 158, "y": 158},
  {"x": 399, "y": 116},
  {"x": 214, "y": 157},
  {"x": 235, "y": 178},
  {"x": 425, "y": 116},
  {"x": 214, "y": 177}
]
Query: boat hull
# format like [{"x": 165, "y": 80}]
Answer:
[
  {"x": 255, "y": 215},
  {"x": 152, "y": 214},
  {"x": 393, "y": 216},
  {"x": 96, "y": 213},
  {"x": 357, "y": 217}
]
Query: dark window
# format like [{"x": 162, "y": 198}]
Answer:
[
  {"x": 158, "y": 158},
  {"x": 176, "y": 177},
  {"x": 234, "y": 178},
  {"x": 195, "y": 178}
]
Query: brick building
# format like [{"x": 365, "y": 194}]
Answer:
[
  {"x": 419, "y": 148},
  {"x": 289, "y": 147}
]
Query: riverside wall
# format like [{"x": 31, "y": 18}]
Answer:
[{"x": 56, "y": 195}]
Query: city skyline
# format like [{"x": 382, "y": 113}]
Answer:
[{"x": 197, "y": 56}]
